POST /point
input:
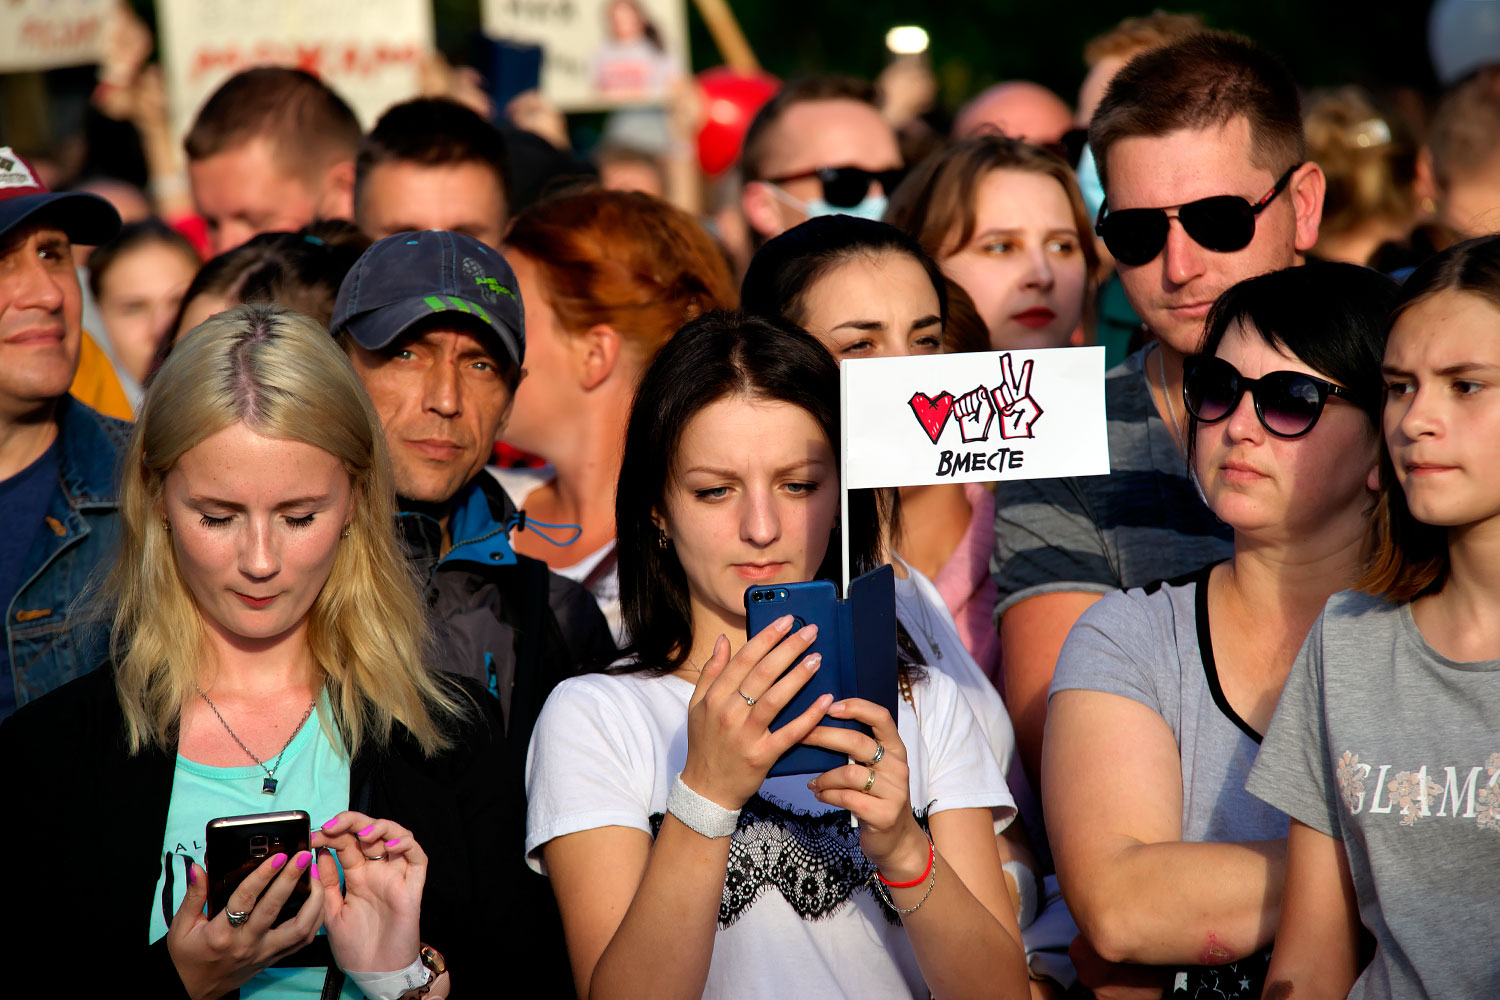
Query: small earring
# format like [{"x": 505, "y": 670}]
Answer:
[
  {"x": 662, "y": 541},
  {"x": 345, "y": 532},
  {"x": 166, "y": 525}
]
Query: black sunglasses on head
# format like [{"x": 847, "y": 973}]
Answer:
[
  {"x": 1287, "y": 403},
  {"x": 845, "y": 187},
  {"x": 1223, "y": 223}
]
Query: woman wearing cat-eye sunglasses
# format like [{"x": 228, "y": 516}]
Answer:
[{"x": 1173, "y": 687}]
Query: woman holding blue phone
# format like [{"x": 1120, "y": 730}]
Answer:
[
  {"x": 267, "y": 657},
  {"x": 679, "y": 867}
]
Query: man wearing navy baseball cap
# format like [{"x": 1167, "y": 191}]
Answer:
[
  {"x": 57, "y": 456},
  {"x": 434, "y": 325}
]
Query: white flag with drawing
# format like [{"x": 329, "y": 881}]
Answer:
[{"x": 981, "y": 417}]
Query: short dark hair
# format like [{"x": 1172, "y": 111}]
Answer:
[
  {"x": 782, "y": 271},
  {"x": 822, "y": 87},
  {"x": 1411, "y": 556},
  {"x": 432, "y": 132},
  {"x": 131, "y": 236},
  {"x": 1203, "y": 80},
  {"x": 310, "y": 126},
  {"x": 1330, "y": 316},
  {"x": 301, "y": 270},
  {"x": 715, "y": 356}
]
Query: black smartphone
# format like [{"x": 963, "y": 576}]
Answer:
[{"x": 234, "y": 846}]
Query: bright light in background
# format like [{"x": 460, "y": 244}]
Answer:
[{"x": 906, "y": 40}]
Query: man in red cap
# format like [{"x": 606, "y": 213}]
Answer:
[{"x": 57, "y": 456}]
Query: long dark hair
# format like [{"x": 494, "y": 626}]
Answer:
[
  {"x": 1411, "y": 556},
  {"x": 715, "y": 356},
  {"x": 783, "y": 271}
]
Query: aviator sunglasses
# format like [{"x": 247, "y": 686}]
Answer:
[
  {"x": 845, "y": 187},
  {"x": 1223, "y": 223},
  {"x": 1287, "y": 403}
]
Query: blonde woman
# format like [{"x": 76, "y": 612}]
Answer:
[{"x": 267, "y": 655}]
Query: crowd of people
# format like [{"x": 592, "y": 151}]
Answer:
[{"x": 414, "y": 480}]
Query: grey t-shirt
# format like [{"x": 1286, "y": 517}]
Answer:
[
  {"x": 1143, "y": 522},
  {"x": 1381, "y": 741},
  {"x": 1145, "y": 644}
]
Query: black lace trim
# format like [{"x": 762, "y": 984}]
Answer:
[{"x": 814, "y": 861}]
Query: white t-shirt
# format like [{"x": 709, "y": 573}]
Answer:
[
  {"x": 796, "y": 913},
  {"x": 928, "y": 621},
  {"x": 518, "y": 485}
]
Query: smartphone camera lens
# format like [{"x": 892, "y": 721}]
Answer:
[{"x": 259, "y": 845}]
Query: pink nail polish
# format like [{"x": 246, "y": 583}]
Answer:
[
  {"x": 278, "y": 861},
  {"x": 330, "y": 824},
  {"x": 192, "y": 877},
  {"x": 393, "y": 843},
  {"x": 303, "y": 860},
  {"x": 366, "y": 831},
  {"x": 315, "y": 871}
]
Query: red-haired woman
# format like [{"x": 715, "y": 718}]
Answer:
[{"x": 607, "y": 278}]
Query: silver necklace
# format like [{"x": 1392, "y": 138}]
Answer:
[
  {"x": 1161, "y": 371},
  {"x": 268, "y": 786}
]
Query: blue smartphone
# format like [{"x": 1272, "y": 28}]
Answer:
[{"x": 857, "y": 639}]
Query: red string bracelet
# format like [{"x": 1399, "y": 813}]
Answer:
[{"x": 931, "y": 853}]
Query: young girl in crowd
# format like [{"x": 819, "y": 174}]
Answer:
[
  {"x": 1005, "y": 220},
  {"x": 1161, "y": 694},
  {"x": 1385, "y": 749},
  {"x": 607, "y": 277},
  {"x": 756, "y": 886},
  {"x": 267, "y": 655},
  {"x": 138, "y": 280}
]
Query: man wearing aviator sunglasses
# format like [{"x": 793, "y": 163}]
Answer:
[
  {"x": 819, "y": 147},
  {"x": 1200, "y": 150}
]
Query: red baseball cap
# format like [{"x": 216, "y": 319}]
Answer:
[{"x": 86, "y": 218}]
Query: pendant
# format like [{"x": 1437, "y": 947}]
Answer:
[{"x": 268, "y": 786}]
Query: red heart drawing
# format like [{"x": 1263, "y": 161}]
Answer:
[{"x": 932, "y": 412}]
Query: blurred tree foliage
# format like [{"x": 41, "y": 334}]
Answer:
[{"x": 979, "y": 42}]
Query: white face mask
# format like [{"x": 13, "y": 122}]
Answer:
[{"x": 872, "y": 207}]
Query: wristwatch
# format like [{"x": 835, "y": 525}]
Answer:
[{"x": 437, "y": 985}]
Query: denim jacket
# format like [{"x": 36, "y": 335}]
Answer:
[{"x": 81, "y": 527}]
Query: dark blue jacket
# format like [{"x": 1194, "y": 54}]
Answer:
[{"x": 78, "y": 537}]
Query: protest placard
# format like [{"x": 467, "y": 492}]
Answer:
[
  {"x": 369, "y": 51},
  {"x": 963, "y": 418},
  {"x": 598, "y": 53},
  {"x": 43, "y": 34}
]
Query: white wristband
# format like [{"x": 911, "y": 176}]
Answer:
[
  {"x": 390, "y": 985},
  {"x": 1026, "y": 888},
  {"x": 703, "y": 816}
]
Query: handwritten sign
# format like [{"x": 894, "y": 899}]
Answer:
[
  {"x": 598, "y": 53},
  {"x": 41, "y": 34},
  {"x": 981, "y": 417},
  {"x": 369, "y": 51}
]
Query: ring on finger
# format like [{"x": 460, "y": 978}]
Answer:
[
  {"x": 748, "y": 700},
  {"x": 879, "y": 755},
  {"x": 376, "y": 857},
  {"x": 870, "y": 782},
  {"x": 236, "y": 917}
]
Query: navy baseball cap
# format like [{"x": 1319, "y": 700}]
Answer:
[
  {"x": 86, "y": 218},
  {"x": 409, "y": 277}
]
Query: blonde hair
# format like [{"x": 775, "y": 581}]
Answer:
[
  {"x": 280, "y": 374},
  {"x": 1367, "y": 155},
  {"x": 1136, "y": 34}
]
